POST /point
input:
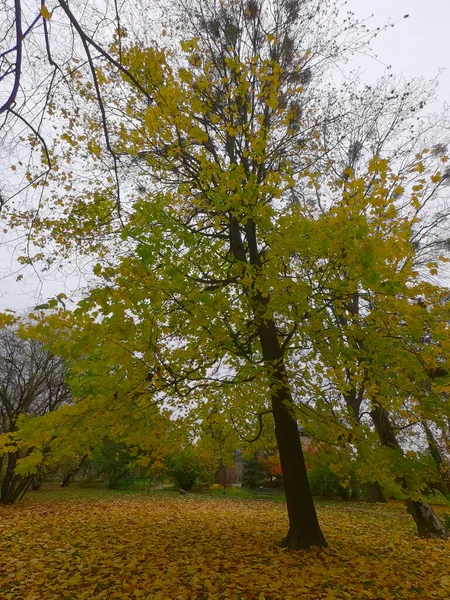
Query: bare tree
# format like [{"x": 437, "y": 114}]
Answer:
[{"x": 31, "y": 383}]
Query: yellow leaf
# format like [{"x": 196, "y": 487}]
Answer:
[{"x": 45, "y": 13}]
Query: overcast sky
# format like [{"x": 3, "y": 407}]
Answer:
[{"x": 416, "y": 46}]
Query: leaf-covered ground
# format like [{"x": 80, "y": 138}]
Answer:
[{"x": 193, "y": 548}]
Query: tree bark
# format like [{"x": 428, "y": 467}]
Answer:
[
  {"x": 304, "y": 529},
  {"x": 13, "y": 486},
  {"x": 375, "y": 493},
  {"x": 353, "y": 400},
  {"x": 6, "y": 495},
  {"x": 69, "y": 477},
  {"x": 427, "y": 522},
  {"x": 436, "y": 454}
]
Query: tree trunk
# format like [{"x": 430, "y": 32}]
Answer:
[
  {"x": 36, "y": 484},
  {"x": 25, "y": 489},
  {"x": 353, "y": 400},
  {"x": 66, "y": 480},
  {"x": 304, "y": 529},
  {"x": 436, "y": 454},
  {"x": 17, "y": 488},
  {"x": 13, "y": 486},
  {"x": 6, "y": 496},
  {"x": 375, "y": 493},
  {"x": 72, "y": 473},
  {"x": 427, "y": 522}
]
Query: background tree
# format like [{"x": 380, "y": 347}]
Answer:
[
  {"x": 190, "y": 466},
  {"x": 70, "y": 469},
  {"x": 111, "y": 397},
  {"x": 219, "y": 439},
  {"x": 31, "y": 383},
  {"x": 383, "y": 374},
  {"x": 114, "y": 460},
  {"x": 253, "y": 472}
]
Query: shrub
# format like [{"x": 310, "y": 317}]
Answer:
[
  {"x": 188, "y": 468},
  {"x": 253, "y": 473},
  {"x": 113, "y": 459},
  {"x": 324, "y": 483}
]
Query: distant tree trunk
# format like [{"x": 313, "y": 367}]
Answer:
[
  {"x": 353, "y": 399},
  {"x": 436, "y": 454},
  {"x": 66, "y": 480},
  {"x": 428, "y": 524},
  {"x": 375, "y": 493},
  {"x": 36, "y": 484},
  {"x": 304, "y": 529},
  {"x": 70, "y": 475},
  {"x": 224, "y": 467}
]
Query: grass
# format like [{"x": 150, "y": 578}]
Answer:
[
  {"x": 89, "y": 543},
  {"x": 141, "y": 489}
]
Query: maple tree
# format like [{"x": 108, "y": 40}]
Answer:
[
  {"x": 271, "y": 464},
  {"x": 31, "y": 383},
  {"x": 384, "y": 373},
  {"x": 167, "y": 546},
  {"x": 243, "y": 244},
  {"x": 78, "y": 429},
  {"x": 240, "y": 273}
]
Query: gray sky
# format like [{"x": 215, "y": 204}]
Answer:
[{"x": 415, "y": 47}]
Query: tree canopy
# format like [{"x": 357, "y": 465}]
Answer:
[{"x": 259, "y": 258}]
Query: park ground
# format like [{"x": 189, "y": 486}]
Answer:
[{"x": 77, "y": 544}]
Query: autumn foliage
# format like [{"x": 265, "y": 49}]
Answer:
[
  {"x": 252, "y": 264},
  {"x": 191, "y": 548}
]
